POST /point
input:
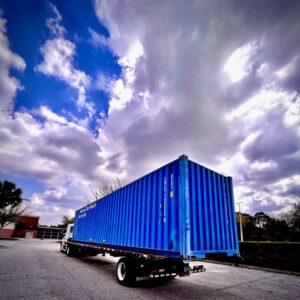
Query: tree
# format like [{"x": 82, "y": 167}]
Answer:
[
  {"x": 249, "y": 227},
  {"x": 293, "y": 218},
  {"x": 10, "y": 203},
  {"x": 65, "y": 220},
  {"x": 100, "y": 191},
  {"x": 261, "y": 219},
  {"x": 277, "y": 230}
]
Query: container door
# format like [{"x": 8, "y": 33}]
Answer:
[{"x": 212, "y": 212}]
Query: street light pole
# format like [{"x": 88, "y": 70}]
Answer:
[{"x": 241, "y": 225}]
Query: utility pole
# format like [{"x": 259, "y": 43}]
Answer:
[{"x": 241, "y": 224}]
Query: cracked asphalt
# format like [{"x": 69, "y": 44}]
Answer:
[{"x": 35, "y": 269}]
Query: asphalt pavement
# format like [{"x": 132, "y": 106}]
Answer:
[{"x": 36, "y": 269}]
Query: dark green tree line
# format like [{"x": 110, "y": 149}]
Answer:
[{"x": 262, "y": 227}]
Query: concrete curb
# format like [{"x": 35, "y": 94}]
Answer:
[{"x": 253, "y": 267}]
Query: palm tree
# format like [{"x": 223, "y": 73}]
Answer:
[{"x": 10, "y": 202}]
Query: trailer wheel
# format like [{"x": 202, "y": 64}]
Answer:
[{"x": 126, "y": 271}]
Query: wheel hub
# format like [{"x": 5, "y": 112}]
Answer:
[{"x": 121, "y": 271}]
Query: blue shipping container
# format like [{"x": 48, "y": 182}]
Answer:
[{"x": 181, "y": 210}]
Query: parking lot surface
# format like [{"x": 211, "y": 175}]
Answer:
[{"x": 35, "y": 269}]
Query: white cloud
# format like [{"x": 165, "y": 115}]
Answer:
[
  {"x": 58, "y": 57},
  {"x": 288, "y": 68},
  {"x": 104, "y": 83},
  {"x": 291, "y": 116},
  {"x": 171, "y": 98},
  {"x": 122, "y": 94},
  {"x": 54, "y": 23},
  {"x": 175, "y": 98},
  {"x": 62, "y": 154},
  {"x": 51, "y": 116},
  {"x": 57, "y": 201},
  {"x": 122, "y": 90},
  {"x": 96, "y": 39},
  {"x": 256, "y": 107},
  {"x": 8, "y": 60},
  {"x": 237, "y": 65},
  {"x": 53, "y": 149},
  {"x": 58, "y": 61}
]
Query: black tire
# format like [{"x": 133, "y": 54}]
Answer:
[
  {"x": 70, "y": 251},
  {"x": 126, "y": 271}
]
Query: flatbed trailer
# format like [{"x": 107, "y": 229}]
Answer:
[
  {"x": 159, "y": 223},
  {"x": 133, "y": 263}
]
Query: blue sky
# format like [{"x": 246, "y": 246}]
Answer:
[
  {"x": 91, "y": 90},
  {"x": 26, "y": 37}
]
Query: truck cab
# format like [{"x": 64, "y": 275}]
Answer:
[{"x": 68, "y": 235}]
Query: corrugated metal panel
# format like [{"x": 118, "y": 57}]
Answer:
[
  {"x": 143, "y": 214},
  {"x": 179, "y": 209},
  {"x": 213, "y": 223}
]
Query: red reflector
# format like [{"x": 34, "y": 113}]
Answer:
[{"x": 158, "y": 270}]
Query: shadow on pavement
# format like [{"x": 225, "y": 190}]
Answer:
[{"x": 142, "y": 282}]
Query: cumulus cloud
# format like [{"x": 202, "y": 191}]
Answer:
[
  {"x": 58, "y": 61},
  {"x": 53, "y": 150},
  {"x": 208, "y": 79},
  {"x": 43, "y": 145},
  {"x": 206, "y": 83},
  {"x": 57, "y": 201},
  {"x": 63, "y": 155},
  {"x": 9, "y": 85}
]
